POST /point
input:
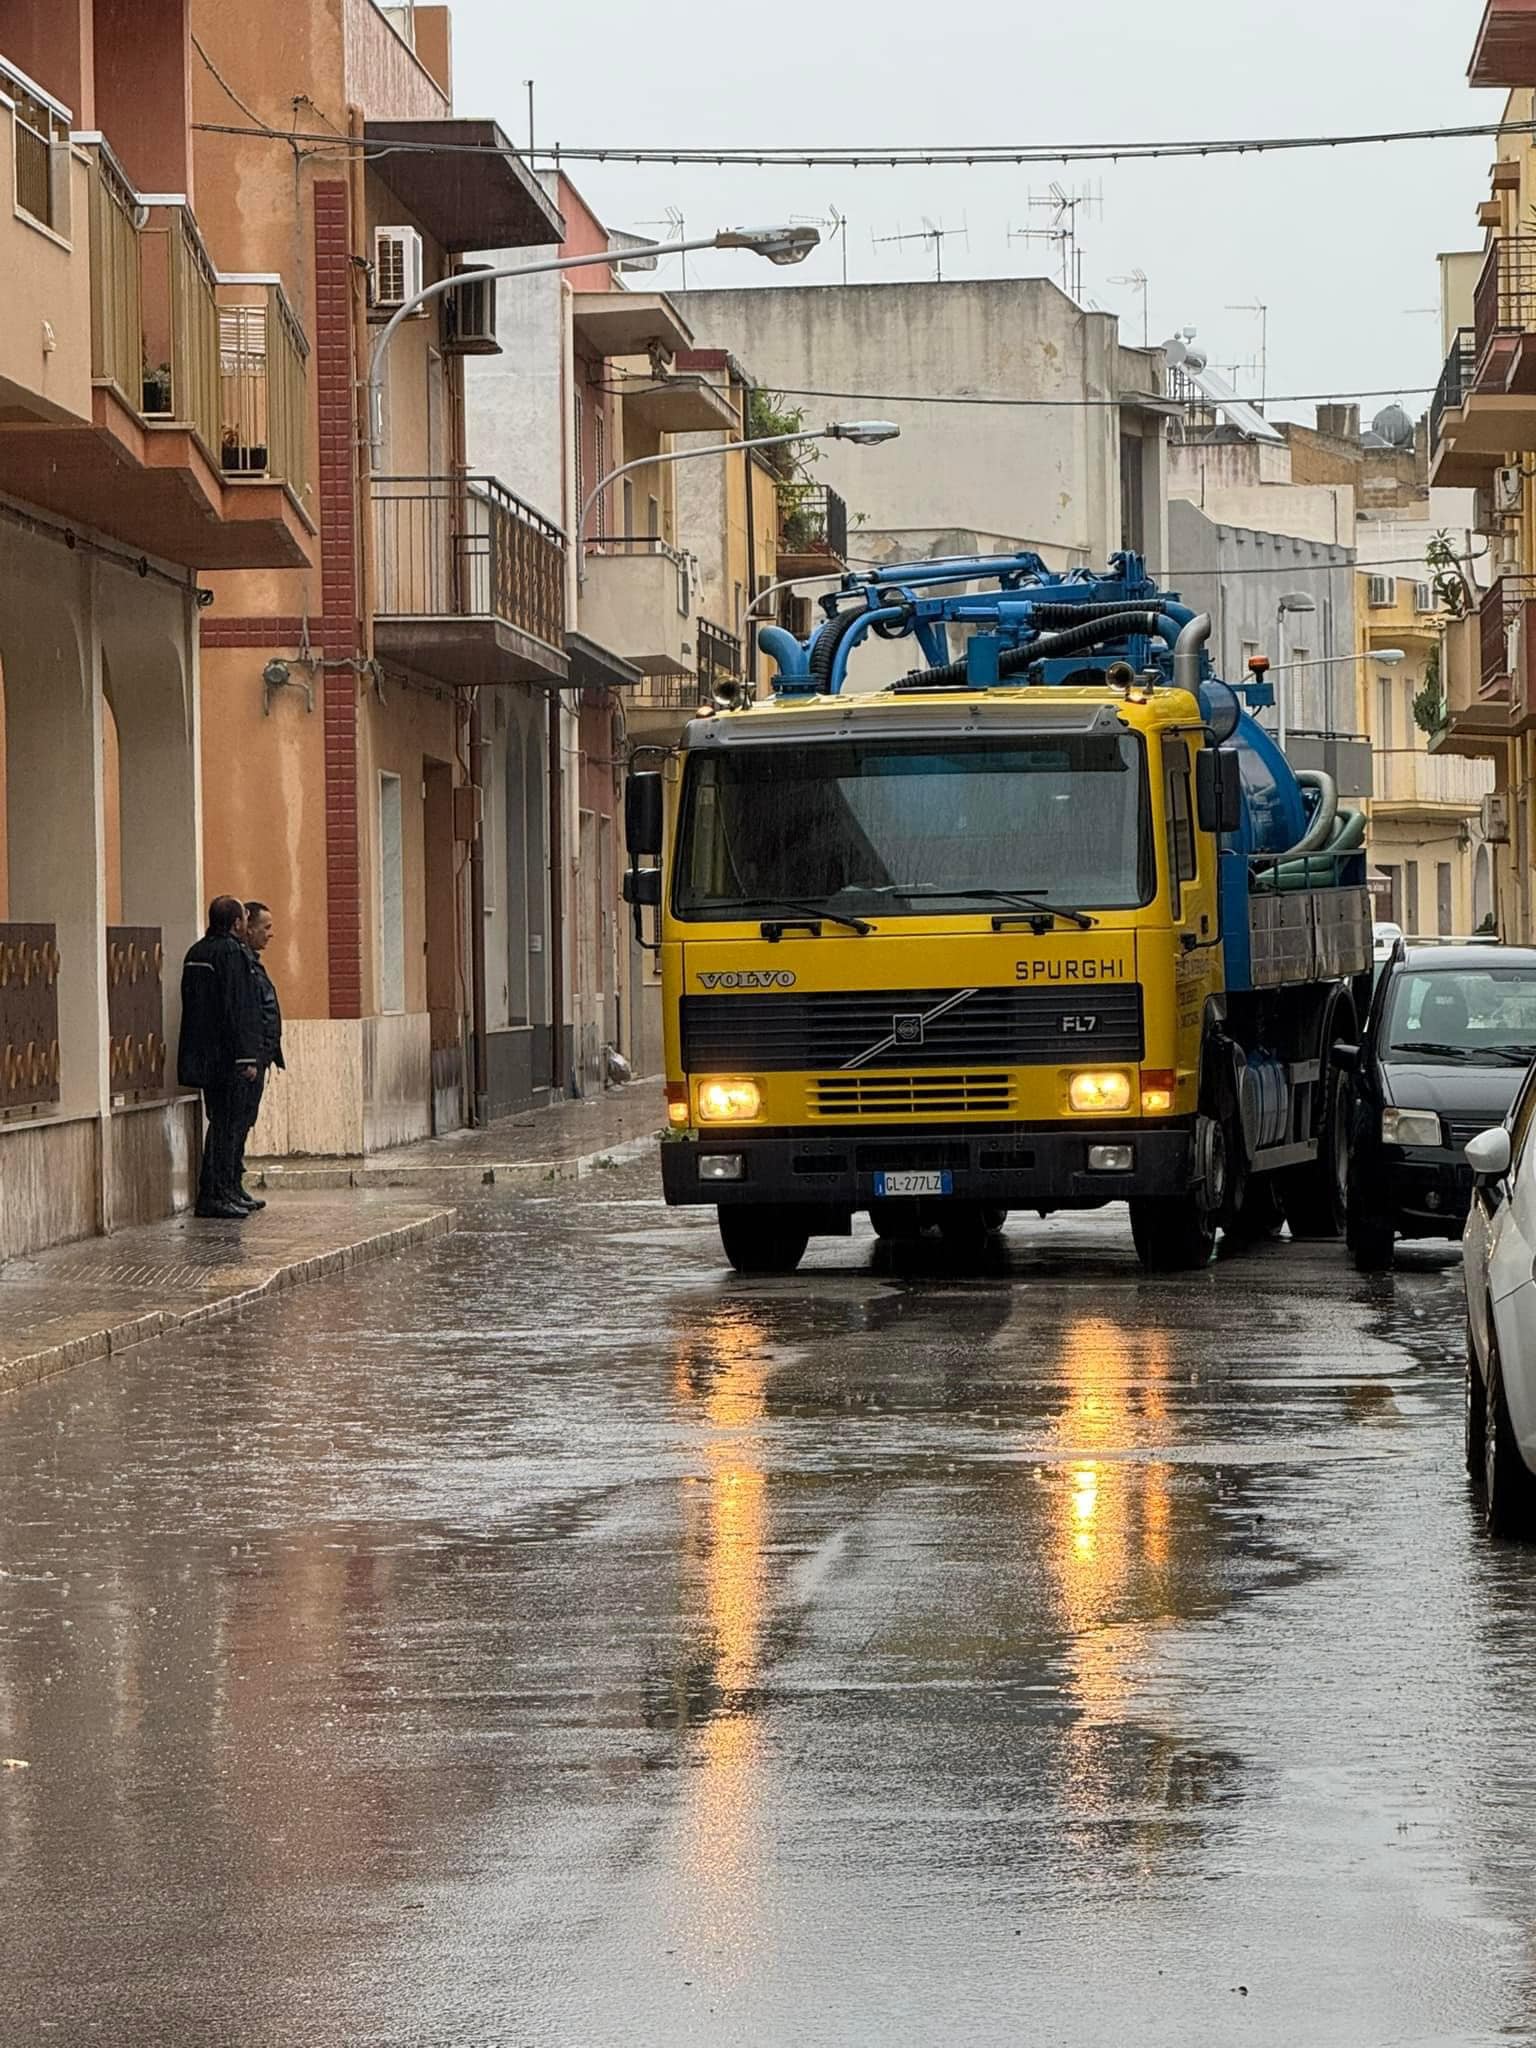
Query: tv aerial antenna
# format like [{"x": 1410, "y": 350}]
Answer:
[
  {"x": 1136, "y": 282},
  {"x": 677, "y": 230},
  {"x": 1258, "y": 306},
  {"x": 834, "y": 227},
  {"x": 1064, "y": 208},
  {"x": 934, "y": 236}
]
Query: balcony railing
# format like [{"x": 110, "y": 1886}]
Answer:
[
  {"x": 1411, "y": 776},
  {"x": 263, "y": 403},
  {"x": 813, "y": 520},
  {"x": 719, "y": 656},
  {"x": 1504, "y": 635},
  {"x": 1456, "y": 379},
  {"x": 136, "y": 1010},
  {"x": 40, "y": 128},
  {"x": 466, "y": 547},
  {"x": 1505, "y": 299},
  {"x": 29, "y": 1018},
  {"x": 668, "y": 693},
  {"x": 222, "y": 356}
]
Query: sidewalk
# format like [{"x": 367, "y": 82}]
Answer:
[
  {"x": 564, "y": 1143},
  {"x": 90, "y": 1300}
]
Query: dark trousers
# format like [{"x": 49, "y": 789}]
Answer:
[{"x": 231, "y": 1107}]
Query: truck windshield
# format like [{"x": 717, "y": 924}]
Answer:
[{"x": 899, "y": 827}]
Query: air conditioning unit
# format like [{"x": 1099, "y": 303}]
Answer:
[
  {"x": 469, "y": 315},
  {"x": 1508, "y": 490},
  {"x": 1495, "y": 820},
  {"x": 1381, "y": 593},
  {"x": 397, "y": 268},
  {"x": 1424, "y": 599}
]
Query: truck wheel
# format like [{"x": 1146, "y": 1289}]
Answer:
[
  {"x": 1370, "y": 1239},
  {"x": 1172, "y": 1234},
  {"x": 896, "y": 1222},
  {"x": 763, "y": 1240},
  {"x": 1313, "y": 1196},
  {"x": 964, "y": 1228}
]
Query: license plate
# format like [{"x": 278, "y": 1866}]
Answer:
[{"x": 888, "y": 1184}]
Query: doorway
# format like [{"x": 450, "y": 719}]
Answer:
[{"x": 441, "y": 946}]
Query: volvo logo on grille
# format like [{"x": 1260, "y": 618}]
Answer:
[
  {"x": 907, "y": 1030},
  {"x": 910, "y": 1029}
]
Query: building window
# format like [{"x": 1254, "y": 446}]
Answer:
[
  {"x": 1394, "y": 877},
  {"x": 391, "y": 896},
  {"x": 600, "y": 430},
  {"x": 1411, "y": 876},
  {"x": 1443, "y": 898},
  {"x": 629, "y": 508},
  {"x": 1384, "y": 713}
]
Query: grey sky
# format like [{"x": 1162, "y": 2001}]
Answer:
[{"x": 1340, "y": 244}]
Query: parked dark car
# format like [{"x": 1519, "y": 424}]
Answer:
[{"x": 1451, "y": 1032}]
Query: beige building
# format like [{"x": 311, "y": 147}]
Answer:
[{"x": 1432, "y": 870}]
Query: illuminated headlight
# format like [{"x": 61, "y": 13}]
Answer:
[
  {"x": 1090, "y": 1092},
  {"x": 729, "y": 1102},
  {"x": 1409, "y": 1127}
]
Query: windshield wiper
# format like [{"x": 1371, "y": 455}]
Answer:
[
  {"x": 1443, "y": 1052},
  {"x": 809, "y": 912},
  {"x": 1020, "y": 899}
]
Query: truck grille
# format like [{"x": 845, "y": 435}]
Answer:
[
  {"x": 906, "y": 1027},
  {"x": 931, "y": 1095}
]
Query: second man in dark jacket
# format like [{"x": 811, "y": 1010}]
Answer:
[
  {"x": 221, "y": 1050},
  {"x": 258, "y": 936}
]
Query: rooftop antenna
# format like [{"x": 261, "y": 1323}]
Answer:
[
  {"x": 676, "y": 228},
  {"x": 834, "y": 227},
  {"x": 1258, "y": 306},
  {"x": 529, "y": 83},
  {"x": 1136, "y": 280},
  {"x": 1064, "y": 207},
  {"x": 932, "y": 234}
]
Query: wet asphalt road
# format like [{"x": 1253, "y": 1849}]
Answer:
[{"x": 553, "y": 1639}]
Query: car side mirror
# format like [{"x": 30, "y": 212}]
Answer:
[
  {"x": 1218, "y": 789},
  {"x": 1489, "y": 1155}
]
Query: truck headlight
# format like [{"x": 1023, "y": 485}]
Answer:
[
  {"x": 1409, "y": 1127},
  {"x": 729, "y": 1102},
  {"x": 1089, "y": 1092}
]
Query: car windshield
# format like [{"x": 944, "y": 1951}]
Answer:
[
  {"x": 1444, "y": 1016},
  {"x": 908, "y": 828}
]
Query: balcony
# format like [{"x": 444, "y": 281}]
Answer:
[
  {"x": 685, "y": 404},
  {"x": 813, "y": 530},
  {"x": 637, "y": 598},
  {"x": 470, "y": 582},
  {"x": 1485, "y": 404},
  {"x": 193, "y": 448},
  {"x": 1411, "y": 782},
  {"x": 1505, "y": 53},
  {"x": 1475, "y": 671}
]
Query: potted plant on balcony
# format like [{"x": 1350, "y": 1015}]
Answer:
[
  {"x": 157, "y": 388},
  {"x": 242, "y": 458}
]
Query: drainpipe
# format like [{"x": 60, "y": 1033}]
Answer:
[
  {"x": 555, "y": 942},
  {"x": 482, "y": 1086}
]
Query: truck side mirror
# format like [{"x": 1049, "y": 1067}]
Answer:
[
  {"x": 1218, "y": 790},
  {"x": 642, "y": 888},
  {"x": 643, "y": 814}
]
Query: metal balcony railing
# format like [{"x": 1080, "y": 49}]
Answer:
[
  {"x": 1504, "y": 621},
  {"x": 1504, "y": 302},
  {"x": 40, "y": 140},
  {"x": 263, "y": 408},
  {"x": 813, "y": 520},
  {"x": 668, "y": 693},
  {"x": 719, "y": 655},
  {"x": 1455, "y": 379},
  {"x": 117, "y": 322},
  {"x": 29, "y": 1017},
  {"x": 136, "y": 1010},
  {"x": 466, "y": 547}
]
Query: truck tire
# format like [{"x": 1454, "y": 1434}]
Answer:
[
  {"x": 896, "y": 1222},
  {"x": 1371, "y": 1239},
  {"x": 1313, "y": 1196},
  {"x": 1173, "y": 1234},
  {"x": 769, "y": 1240}
]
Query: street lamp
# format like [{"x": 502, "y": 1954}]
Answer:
[
  {"x": 789, "y": 244},
  {"x": 1389, "y": 657},
  {"x": 862, "y": 433}
]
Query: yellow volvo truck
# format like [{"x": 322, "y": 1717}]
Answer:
[{"x": 1046, "y": 923}]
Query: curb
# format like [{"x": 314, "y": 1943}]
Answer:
[
  {"x": 462, "y": 1175},
  {"x": 140, "y": 1327}
]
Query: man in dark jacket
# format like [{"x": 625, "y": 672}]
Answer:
[
  {"x": 258, "y": 936},
  {"x": 220, "y": 1049}
]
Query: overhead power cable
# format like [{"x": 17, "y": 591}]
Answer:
[
  {"x": 1128, "y": 398},
  {"x": 906, "y": 155}
]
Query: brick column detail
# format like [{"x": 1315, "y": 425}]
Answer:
[{"x": 334, "y": 388}]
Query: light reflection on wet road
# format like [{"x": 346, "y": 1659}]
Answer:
[{"x": 553, "y": 1639}]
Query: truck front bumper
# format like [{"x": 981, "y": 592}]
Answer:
[{"x": 1012, "y": 1166}]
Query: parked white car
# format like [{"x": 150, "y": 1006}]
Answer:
[{"x": 1499, "y": 1263}]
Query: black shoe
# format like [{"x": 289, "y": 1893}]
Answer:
[
  {"x": 250, "y": 1203},
  {"x": 223, "y": 1212}
]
